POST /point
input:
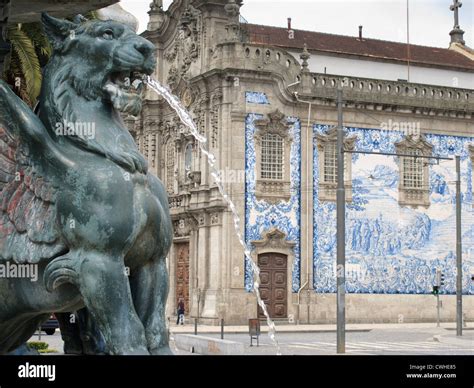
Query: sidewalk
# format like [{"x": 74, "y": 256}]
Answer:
[
  {"x": 316, "y": 328},
  {"x": 450, "y": 337}
]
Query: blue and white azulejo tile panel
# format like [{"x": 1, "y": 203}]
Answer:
[
  {"x": 256, "y": 98},
  {"x": 261, "y": 216},
  {"x": 392, "y": 249}
]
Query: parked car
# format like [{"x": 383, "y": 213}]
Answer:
[{"x": 50, "y": 326}]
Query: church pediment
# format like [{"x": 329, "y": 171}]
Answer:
[
  {"x": 415, "y": 142},
  {"x": 276, "y": 123},
  {"x": 331, "y": 136},
  {"x": 274, "y": 239}
]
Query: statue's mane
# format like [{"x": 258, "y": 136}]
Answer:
[
  {"x": 65, "y": 88},
  {"x": 74, "y": 95},
  {"x": 65, "y": 77}
]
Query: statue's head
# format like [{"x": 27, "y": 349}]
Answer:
[{"x": 99, "y": 59}]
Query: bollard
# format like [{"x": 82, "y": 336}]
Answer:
[
  {"x": 254, "y": 330},
  {"x": 222, "y": 329}
]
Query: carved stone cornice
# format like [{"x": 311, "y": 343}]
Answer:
[
  {"x": 183, "y": 226},
  {"x": 274, "y": 239},
  {"x": 331, "y": 136},
  {"x": 415, "y": 142},
  {"x": 276, "y": 123},
  {"x": 216, "y": 218}
]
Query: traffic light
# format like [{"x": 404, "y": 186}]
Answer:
[{"x": 440, "y": 280}]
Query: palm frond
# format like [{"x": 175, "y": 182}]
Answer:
[
  {"x": 13, "y": 75},
  {"x": 29, "y": 63},
  {"x": 36, "y": 33}
]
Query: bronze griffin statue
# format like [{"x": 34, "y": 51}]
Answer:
[{"x": 80, "y": 205}]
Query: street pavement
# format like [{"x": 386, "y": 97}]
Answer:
[
  {"x": 362, "y": 339},
  {"x": 376, "y": 342}
]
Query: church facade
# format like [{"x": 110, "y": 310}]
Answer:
[{"x": 265, "y": 99}]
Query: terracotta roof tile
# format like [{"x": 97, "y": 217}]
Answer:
[{"x": 351, "y": 45}]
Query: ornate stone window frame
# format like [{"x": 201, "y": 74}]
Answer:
[
  {"x": 273, "y": 190},
  {"x": 409, "y": 196},
  {"x": 327, "y": 190}
]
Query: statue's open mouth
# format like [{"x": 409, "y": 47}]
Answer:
[{"x": 124, "y": 90}]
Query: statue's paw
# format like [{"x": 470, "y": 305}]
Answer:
[
  {"x": 123, "y": 159},
  {"x": 163, "y": 351},
  {"x": 139, "y": 162}
]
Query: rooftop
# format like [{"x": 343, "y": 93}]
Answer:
[{"x": 352, "y": 46}]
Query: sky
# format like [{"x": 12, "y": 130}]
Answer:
[{"x": 430, "y": 20}]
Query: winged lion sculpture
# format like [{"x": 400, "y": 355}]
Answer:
[{"x": 81, "y": 205}]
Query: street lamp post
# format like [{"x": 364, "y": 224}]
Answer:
[
  {"x": 341, "y": 232},
  {"x": 458, "y": 249}
]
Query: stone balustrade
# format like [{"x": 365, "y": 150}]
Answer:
[
  {"x": 426, "y": 98},
  {"x": 398, "y": 93},
  {"x": 256, "y": 57}
]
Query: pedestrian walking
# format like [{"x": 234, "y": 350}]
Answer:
[{"x": 180, "y": 312}]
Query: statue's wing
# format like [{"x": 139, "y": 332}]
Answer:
[{"x": 28, "y": 226}]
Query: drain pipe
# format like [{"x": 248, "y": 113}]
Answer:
[
  {"x": 307, "y": 283},
  {"x": 299, "y": 295}
]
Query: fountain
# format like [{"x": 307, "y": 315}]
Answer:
[{"x": 187, "y": 120}]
